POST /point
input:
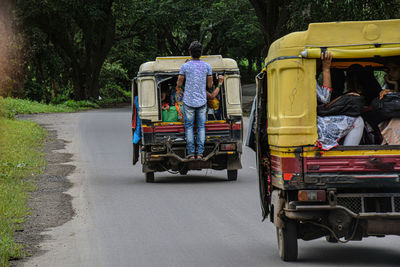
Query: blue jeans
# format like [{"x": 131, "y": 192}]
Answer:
[{"x": 189, "y": 115}]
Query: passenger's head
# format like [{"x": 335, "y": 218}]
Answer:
[
  {"x": 195, "y": 49},
  {"x": 354, "y": 78},
  {"x": 393, "y": 70},
  {"x": 164, "y": 92},
  {"x": 338, "y": 81}
]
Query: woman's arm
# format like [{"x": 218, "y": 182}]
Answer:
[
  {"x": 218, "y": 88},
  {"x": 326, "y": 69}
]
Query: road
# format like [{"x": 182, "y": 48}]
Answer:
[{"x": 196, "y": 220}]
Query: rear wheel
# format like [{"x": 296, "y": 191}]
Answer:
[
  {"x": 149, "y": 176},
  {"x": 287, "y": 241},
  {"x": 232, "y": 175}
]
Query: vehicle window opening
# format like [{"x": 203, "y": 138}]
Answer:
[
  {"x": 371, "y": 81},
  {"x": 171, "y": 109}
]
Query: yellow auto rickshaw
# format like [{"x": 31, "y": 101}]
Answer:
[
  {"x": 344, "y": 193},
  {"x": 162, "y": 143}
]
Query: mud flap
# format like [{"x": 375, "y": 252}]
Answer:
[
  {"x": 234, "y": 164},
  {"x": 260, "y": 141},
  {"x": 135, "y": 153}
]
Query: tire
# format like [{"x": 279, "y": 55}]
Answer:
[
  {"x": 232, "y": 175},
  {"x": 149, "y": 176},
  {"x": 183, "y": 172},
  {"x": 287, "y": 241}
]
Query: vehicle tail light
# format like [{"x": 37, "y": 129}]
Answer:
[
  {"x": 237, "y": 125},
  {"x": 147, "y": 129},
  {"x": 228, "y": 147},
  {"x": 312, "y": 195}
]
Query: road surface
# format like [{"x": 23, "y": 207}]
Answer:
[{"x": 196, "y": 220}]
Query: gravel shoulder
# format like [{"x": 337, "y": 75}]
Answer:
[{"x": 51, "y": 204}]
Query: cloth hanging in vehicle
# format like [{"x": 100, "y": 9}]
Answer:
[
  {"x": 331, "y": 129},
  {"x": 179, "y": 103},
  {"x": 388, "y": 106},
  {"x": 136, "y": 125},
  {"x": 390, "y": 132},
  {"x": 348, "y": 105}
]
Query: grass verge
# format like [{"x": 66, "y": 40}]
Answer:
[
  {"x": 12, "y": 106},
  {"x": 20, "y": 161}
]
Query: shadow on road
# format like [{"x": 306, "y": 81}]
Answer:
[
  {"x": 348, "y": 256},
  {"x": 189, "y": 179}
]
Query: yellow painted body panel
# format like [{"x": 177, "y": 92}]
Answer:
[
  {"x": 338, "y": 34},
  {"x": 283, "y": 152},
  {"x": 291, "y": 114}
]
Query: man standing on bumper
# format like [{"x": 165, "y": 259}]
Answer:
[{"x": 198, "y": 76}]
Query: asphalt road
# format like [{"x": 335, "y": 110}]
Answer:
[{"x": 196, "y": 220}]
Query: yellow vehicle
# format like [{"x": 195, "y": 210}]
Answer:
[
  {"x": 162, "y": 142},
  {"x": 346, "y": 193}
]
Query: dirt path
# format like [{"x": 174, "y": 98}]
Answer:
[{"x": 51, "y": 204}]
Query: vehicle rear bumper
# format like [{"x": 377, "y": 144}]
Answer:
[{"x": 356, "y": 205}]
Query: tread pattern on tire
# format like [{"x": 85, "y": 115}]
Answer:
[
  {"x": 149, "y": 176},
  {"x": 287, "y": 242},
  {"x": 232, "y": 175}
]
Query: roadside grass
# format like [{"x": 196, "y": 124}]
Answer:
[
  {"x": 12, "y": 106},
  {"x": 21, "y": 160}
]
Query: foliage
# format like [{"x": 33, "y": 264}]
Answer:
[
  {"x": 80, "y": 33},
  {"x": 20, "y": 161},
  {"x": 308, "y": 11},
  {"x": 278, "y": 18},
  {"x": 112, "y": 76},
  {"x": 79, "y": 49},
  {"x": 224, "y": 27}
]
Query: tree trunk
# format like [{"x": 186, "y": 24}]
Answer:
[{"x": 272, "y": 16}]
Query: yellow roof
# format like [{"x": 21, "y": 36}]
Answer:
[
  {"x": 173, "y": 64},
  {"x": 338, "y": 34}
]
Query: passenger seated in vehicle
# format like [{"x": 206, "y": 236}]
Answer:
[
  {"x": 390, "y": 130},
  {"x": 165, "y": 104},
  {"x": 177, "y": 100},
  {"x": 338, "y": 78},
  {"x": 214, "y": 99},
  {"x": 340, "y": 117}
]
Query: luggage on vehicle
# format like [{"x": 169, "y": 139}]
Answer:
[{"x": 388, "y": 106}]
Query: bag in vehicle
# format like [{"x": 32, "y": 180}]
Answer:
[
  {"x": 388, "y": 106},
  {"x": 349, "y": 105}
]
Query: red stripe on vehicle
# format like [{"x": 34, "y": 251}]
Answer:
[
  {"x": 285, "y": 165},
  {"x": 352, "y": 164},
  {"x": 181, "y": 128},
  {"x": 236, "y": 126},
  {"x": 147, "y": 129}
]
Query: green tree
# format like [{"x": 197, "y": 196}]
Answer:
[
  {"x": 81, "y": 32},
  {"x": 147, "y": 29},
  {"x": 278, "y": 18}
]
